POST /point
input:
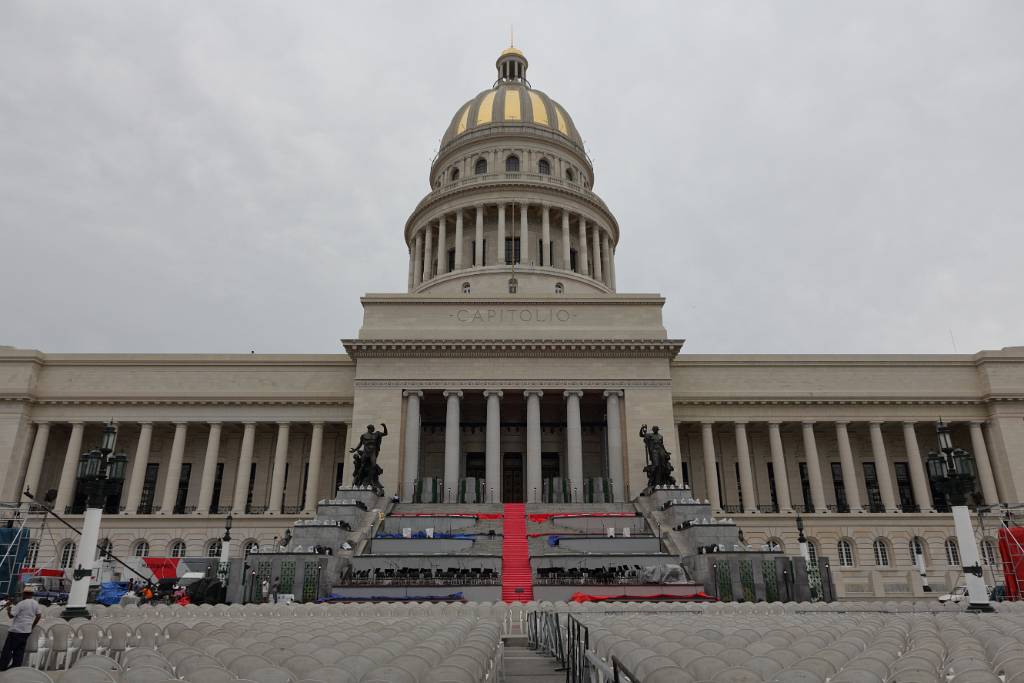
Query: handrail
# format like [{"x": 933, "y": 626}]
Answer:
[{"x": 621, "y": 673}]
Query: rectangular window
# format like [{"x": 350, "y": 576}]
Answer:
[
  {"x": 182, "y": 497},
  {"x": 684, "y": 473},
  {"x": 839, "y": 487},
  {"x": 476, "y": 465},
  {"x": 572, "y": 261},
  {"x": 739, "y": 489},
  {"x": 451, "y": 260},
  {"x": 252, "y": 487},
  {"x": 149, "y": 489},
  {"x": 339, "y": 476},
  {"x": 871, "y": 484},
  {"x": 805, "y": 488},
  {"x": 218, "y": 481},
  {"x": 512, "y": 250},
  {"x": 718, "y": 476},
  {"x": 551, "y": 467},
  {"x": 906, "y": 491},
  {"x": 771, "y": 487}
]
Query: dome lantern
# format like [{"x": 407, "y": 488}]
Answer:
[{"x": 512, "y": 65}]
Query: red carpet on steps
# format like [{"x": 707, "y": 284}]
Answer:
[{"x": 515, "y": 556}]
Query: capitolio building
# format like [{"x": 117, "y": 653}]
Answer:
[{"x": 516, "y": 367}]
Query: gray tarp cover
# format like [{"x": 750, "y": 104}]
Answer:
[{"x": 664, "y": 573}]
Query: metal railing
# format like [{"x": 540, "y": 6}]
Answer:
[{"x": 620, "y": 674}]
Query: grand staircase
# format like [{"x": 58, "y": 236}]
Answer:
[{"x": 516, "y": 574}]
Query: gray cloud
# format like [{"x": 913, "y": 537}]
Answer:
[{"x": 794, "y": 177}]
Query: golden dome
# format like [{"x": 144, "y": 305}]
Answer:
[{"x": 512, "y": 101}]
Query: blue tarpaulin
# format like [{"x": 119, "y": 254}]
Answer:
[
  {"x": 111, "y": 592},
  {"x": 553, "y": 540}
]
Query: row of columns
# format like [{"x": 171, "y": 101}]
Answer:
[
  {"x": 492, "y": 441},
  {"x": 918, "y": 476},
  {"x": 428, "y": 259},
  {"x": 66, "y": 486}
]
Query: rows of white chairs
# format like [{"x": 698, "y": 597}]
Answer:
[
  {"x": 881, "y": 642},
  {"x": 355, "y": 643}
]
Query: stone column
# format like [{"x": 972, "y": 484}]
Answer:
[
  {"x": 428, "y": 252},
  {"x": 581, "y": 256},
  {"x": 533, "y": 470},
  {"x": 984, "y": 465},
  {"x": 616, "y": 470},
  {"x": 209, "y": 470},
  {"x": 595, "y": 236},
  {"x": 458, "y": 240},
  {"x": 412, "y": 267},
  {"x": 501, "y": 235},
  {"x": 814, "y": 468},
  {"x": 280, "y": 465},
  {"x": 244, "y": 465},
  {"x": 492, "y": 446},
  {"x": 779, "y": 467},
  {"x": 478, "y": 250},
  {"x": 442, "y": 245},
  {"x": 417, "y": 266},
  {"x": 746, "y": 473},
  {"x": 566, "y": 246},
  {"x": 918, "y": 478},
  {"x": 885, "y": 488},
  {"x": 316, "y": 449},
  {"x": 174, "y": 469},
  {"x": 606, "y": 259},
  {"x": 545, "y": 235},
  {"x": 849, "y": 470},
  {"x": 524, "y": 234},
  {"x": 710, "y": 470},
  {"x": 139, "y": 463},
  {"x": 452, "y": 439},
  {"x": 66, "y": 487},
  {"x": 574, "y": 443},
  {"x": 412, "y": 443},
  {"x": 35, "y": 460},
  {"x": 611, "y": 263}
]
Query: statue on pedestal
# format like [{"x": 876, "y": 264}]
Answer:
[
  {"x": 365, "y": 470},
  {"x": 659, "y": 466}
]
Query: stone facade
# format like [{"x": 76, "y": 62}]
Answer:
[{"x": 514, "y": 360}]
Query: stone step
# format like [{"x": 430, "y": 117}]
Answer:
[{"x": 522, "y": 664}]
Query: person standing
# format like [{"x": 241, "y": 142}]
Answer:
[
  {"x": 25, "y": 616},
  {"x": 265, "y": 590},
  {"x": 274, "y": 590}
]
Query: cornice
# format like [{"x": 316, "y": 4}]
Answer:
[
  {"x": 824, "y": 360},
  {"x": 179, "y": 401},
  {"x": 517, "y": 270},
  {"x": 510, "y": 384},
  {"x": 611, "y": 299},
  {"x": 513, "y": 348},
  {"x": 842, "y": 400}
]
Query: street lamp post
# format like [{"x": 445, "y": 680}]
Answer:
[
  {"x": 952, "y": 471},
  {"x": 100, "y": 474}
]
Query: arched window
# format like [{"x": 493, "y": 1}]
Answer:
[
  {"x": 480, "y": 167},
  {"x": 513, "y": 286},
  {"x": 881, "y": 553},
  {"x": 32, "y": 554},
  {"x": 544, "y": 167},
  {"x": 917, "y": 547},
  {"x": 559, "y": 288},
  {"x": 455, "y": 174},
  {"x": 141, "y": 549},
  {"x": 952, "y": 552},
  {"x": 569, "y": 175},
  {"x": 512, "y": 164},
  {"x": 845, "y": 550},
  {"x": 466, "y": 288},
  {"x": 775, "y": 544},
  {"x": 67, "y": 555},
  {"x": 988, "y": 552},
  {"x": 178, "y": 549},
  {"x": 251, "y": 547},
  {"x": 214, "y": 547},
  {"x": 812, "y": 552}
]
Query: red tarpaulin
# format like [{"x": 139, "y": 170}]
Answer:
[
  {"x": 1011, "y": 547},
  {"x": 162, "y": 567},
  {"x": 542, "y": 517},
  {"x": 36, "y": 571},
  {"x": 584, "y": 597}
]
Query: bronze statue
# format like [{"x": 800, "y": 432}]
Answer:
[
  {"x": 365, "y": 470},
  {"x": 659, "y": 465}
]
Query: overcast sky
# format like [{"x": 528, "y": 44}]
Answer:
[{"x": 795, "y": 177}]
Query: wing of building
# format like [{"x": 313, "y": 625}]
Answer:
[{"x": 513, "y": 369}]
